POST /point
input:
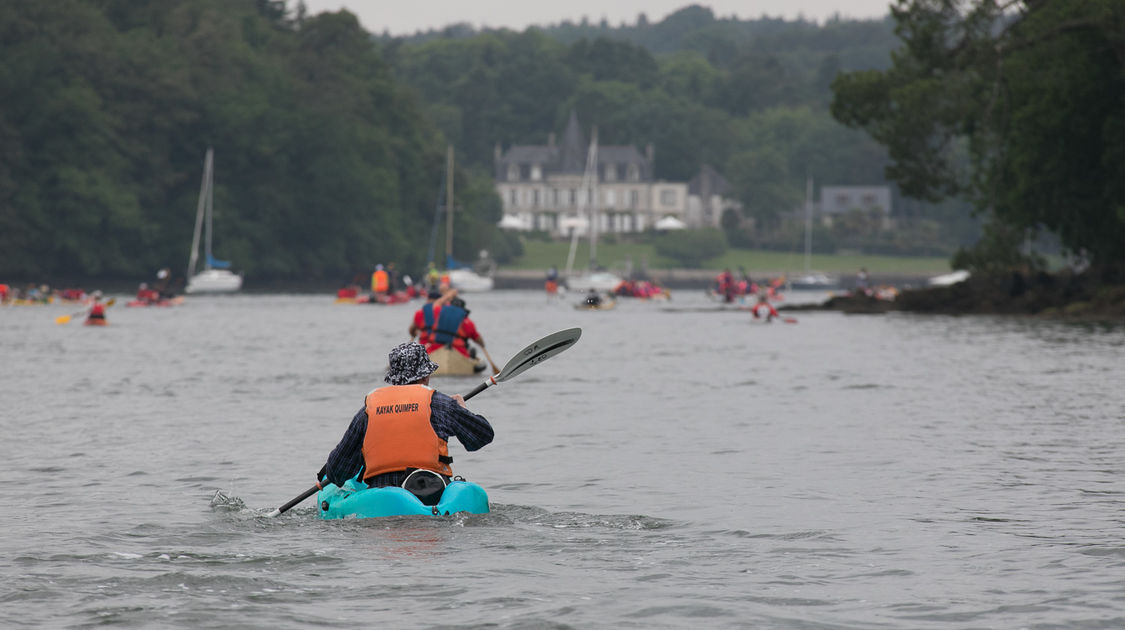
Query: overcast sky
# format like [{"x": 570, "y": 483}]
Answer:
[{"x": 406, "y": 17}]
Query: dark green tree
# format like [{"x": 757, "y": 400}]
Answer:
[{"x": 1031, "y": 100}]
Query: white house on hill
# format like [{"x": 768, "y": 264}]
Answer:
[{"x": 541, "y": 187}]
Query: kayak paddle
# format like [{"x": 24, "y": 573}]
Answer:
[
  {"x": 530, "y": 356},
  {"x": 62, "y": 319},
  {"x": 527, "y": 358}
]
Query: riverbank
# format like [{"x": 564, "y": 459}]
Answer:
[
  {"x": 1090, "y": 296},
  {"x": 701, "y": 279}
]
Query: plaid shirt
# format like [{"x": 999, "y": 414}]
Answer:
[{"x": 446, "y": 417}]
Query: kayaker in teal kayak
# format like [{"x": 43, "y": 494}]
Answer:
[{"x": 400, "y": 435}]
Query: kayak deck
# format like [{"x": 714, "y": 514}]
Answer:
[{"x": 356, "y": 500}]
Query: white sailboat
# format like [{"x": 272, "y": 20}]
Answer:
[
  {"x": 461, "y": 277},
  {"x": 215, "y": 277},
  {"x": 811, "y": 279},
  {"x": 600, "y": 281}
]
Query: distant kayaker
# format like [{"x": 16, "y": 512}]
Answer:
[
  {"x": 452, "y": 327},
  {"x": 380, "y": 282},
  {"x": 410, "y": 424},
  {"x": 432, "y": 276},
  {"x": 764, "y": 309},
  {"x": 425, "y": 318},
  {"x": 593, "y": 299},
  {"x": 552, "y": 283},
  {"x": 861, "y": 281},
  {"x": 96, "y": 316}
]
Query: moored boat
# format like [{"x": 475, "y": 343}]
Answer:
[
  {"x": 215, "y": 277},
  {"x": 175, "y": 301},
  {"x": 453, "y": 363},
  {"x": 356, "y": 500}
]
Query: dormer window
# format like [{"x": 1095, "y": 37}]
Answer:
[
  {"x": 610, "y": 172},
  {"x": 536, "y": 173},
  {"x": 513, "y": 172},
  {"x": 633, "y": 173}
]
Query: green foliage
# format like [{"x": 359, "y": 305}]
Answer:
[
  {"x": 1002, "y": 248},
  {"x": 324, "y": 164},
  {"x": 746, "y": 97},
  {"x": 690, "y": 248},
  {"x": 1021, "y": 113}
]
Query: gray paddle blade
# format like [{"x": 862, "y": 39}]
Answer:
[{"x": 538, "y": 352}]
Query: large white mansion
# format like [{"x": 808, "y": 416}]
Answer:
[{"x": 542, "y": 188}]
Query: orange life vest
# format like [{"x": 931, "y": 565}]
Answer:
[
  {"x": 380, "y": 282},
  {"x": 399, "y": 434}
]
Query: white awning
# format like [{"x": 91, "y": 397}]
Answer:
[
  {"x": 511, "y": 222},
  {"x": 670, "y": 223}
]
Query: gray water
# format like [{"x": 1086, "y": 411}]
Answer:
[{"x": 678, "y": 467}]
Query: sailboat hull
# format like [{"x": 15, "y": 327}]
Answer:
[
  {"x": 600, "y": 281},
  {"x": 214, "y": 281},
  {"x": 468, "y": 281}
]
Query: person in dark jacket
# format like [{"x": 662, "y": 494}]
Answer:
[{"x": 405, "y": 427}]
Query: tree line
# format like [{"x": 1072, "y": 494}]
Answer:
[
  {"x": 747, "y": 97},
  {"x": 1019, "y": 107},
  {"x": 325, "y": 164},
  {"x": 329, "y": 141}
]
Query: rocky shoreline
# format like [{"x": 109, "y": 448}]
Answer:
[{"x": 1088, "y": 296}]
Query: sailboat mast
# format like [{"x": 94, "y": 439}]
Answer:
[
  {"x": 448, "y": 205},
  {"x": 593, "y": 159},
  {"x": 808, "y": 223},
  {"x": 201, "y": 207},
  {"x": 210, "y": 207}
]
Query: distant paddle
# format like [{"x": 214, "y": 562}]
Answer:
[
  {"x": 526, "y": 359},
  {"x": 491, "y": 363},
  {"x": 62, "y": 319}
]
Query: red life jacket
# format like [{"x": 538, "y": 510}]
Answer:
[{"x": 399, "y": 434}]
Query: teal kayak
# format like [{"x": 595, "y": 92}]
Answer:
[{"x": 356, "y": 500}]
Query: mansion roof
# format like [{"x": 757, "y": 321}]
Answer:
[{"x": 569, "y": 157}]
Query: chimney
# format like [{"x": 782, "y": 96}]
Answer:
[
  {"x": 551, "y": 139},
  {"x": 496, "y": 153},
  {"x": 650, "y": 157}
]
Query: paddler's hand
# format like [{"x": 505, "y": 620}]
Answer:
[{"x": 460, "y": 400}]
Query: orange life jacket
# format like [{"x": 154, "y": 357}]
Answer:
[
  {"x": 399, "y": 434},
  {"x": 380, "y": 282}
]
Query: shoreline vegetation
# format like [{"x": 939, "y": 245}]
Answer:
[
  {"x": 540, "y": 255},
  {"x": 1088, "y": 296}
]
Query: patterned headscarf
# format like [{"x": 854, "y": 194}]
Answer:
[{"x": 409, "y": 363}]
